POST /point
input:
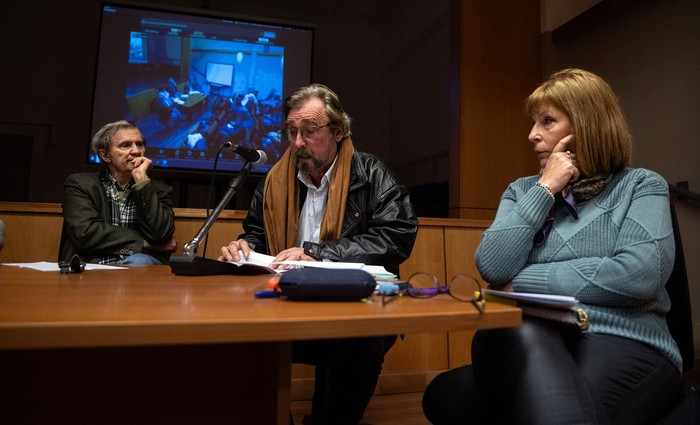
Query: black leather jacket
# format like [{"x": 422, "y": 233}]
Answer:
[{"x": 379, "y": 227}]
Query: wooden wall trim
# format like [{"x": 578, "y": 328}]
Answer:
[
  {"x": 31, "y": 207},
  {"x": 201, "y": 213},
  {"x": 55, "y": 208}
]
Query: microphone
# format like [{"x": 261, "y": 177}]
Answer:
[{"x": 256, "y": 157}]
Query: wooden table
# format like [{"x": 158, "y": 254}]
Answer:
[{"x": 143, "y": 345}]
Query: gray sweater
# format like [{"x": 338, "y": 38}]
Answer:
[{"x": 616, "y": 258}]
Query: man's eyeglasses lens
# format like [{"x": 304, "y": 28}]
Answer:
[{"x": 307, "y": 131}]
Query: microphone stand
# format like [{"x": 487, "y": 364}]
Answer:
[{"x": 191, "y": 265}]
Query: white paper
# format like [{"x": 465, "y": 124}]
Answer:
[
  {"x": 379, "y": 272},
  {"x": 323, "y": 264},
  {"x": 255, "y": 258},
  {"x": 45, "y": 266},
  {"x": 559, "y": 300}
]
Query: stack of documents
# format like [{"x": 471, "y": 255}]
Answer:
[{"x": 266, "y": 261}]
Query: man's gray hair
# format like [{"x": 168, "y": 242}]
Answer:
[
  {"x": 103, "y": 137},
  {"x": 337, "y": 117}
]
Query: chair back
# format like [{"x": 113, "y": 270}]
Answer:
[{"x": 679, "y": 318}]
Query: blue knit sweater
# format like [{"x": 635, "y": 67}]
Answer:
[{"x": 616, "y": 258}]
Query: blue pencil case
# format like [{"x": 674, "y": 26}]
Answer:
[{"x": 317, "y": 284}]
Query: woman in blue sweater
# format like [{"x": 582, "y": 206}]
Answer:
[{"x": 589, "y": 227}]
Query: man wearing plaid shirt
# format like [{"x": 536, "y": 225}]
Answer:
[{"x": 118, "y": 215}]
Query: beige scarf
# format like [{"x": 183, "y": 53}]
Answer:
[{"x": 281, "y": 200}]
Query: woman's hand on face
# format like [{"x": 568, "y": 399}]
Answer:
[{"x": 560, "y": 169}]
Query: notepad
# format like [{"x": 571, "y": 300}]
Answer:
[{"x": 560, "y": 301}]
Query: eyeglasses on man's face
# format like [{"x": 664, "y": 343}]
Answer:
[
  {"x": 307, "y": 131},
  {"x": 461, "y": 287}
]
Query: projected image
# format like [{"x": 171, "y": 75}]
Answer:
[
  {"x": 231, "y": 93},
  {"x": 191, "y": 85},
  {"x": 137, "y": 51}
]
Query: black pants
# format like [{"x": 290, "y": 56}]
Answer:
[
  {"x": 347, "y": 371},
  {"x": 543, "y": 374}
]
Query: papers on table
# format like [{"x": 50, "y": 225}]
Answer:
[
  {"x": 378, "y": 272},
  {"x": 257, "y": 261},
  {"x": 45, "y": 266},
  {"x": 262, "y": 260}
]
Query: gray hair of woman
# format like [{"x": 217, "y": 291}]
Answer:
[
  {"x": 103, "y": 137},
  {"x": 337, "y": 117}
]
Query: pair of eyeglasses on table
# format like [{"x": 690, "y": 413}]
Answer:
[
  {"x": 74, "y": 265},
  {"x": 461, "y": 287}
]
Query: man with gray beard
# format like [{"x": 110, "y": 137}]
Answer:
[{"x": 324, "y": 201}]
